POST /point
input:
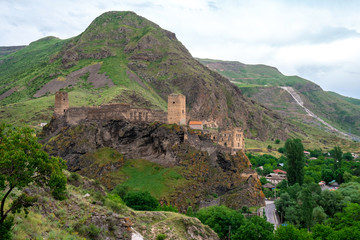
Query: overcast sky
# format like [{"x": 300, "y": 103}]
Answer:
[{"x": 315, "y": 39}]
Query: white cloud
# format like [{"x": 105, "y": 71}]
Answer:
[{"x": 290, "y": 35}]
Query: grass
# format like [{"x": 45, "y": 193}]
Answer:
[{"x": 143, "y": 175}]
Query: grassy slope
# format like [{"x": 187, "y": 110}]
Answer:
[
  {"x": 340, "y": 111},
  {"x": 30, "y": 68},
  {"x": 70, "y": 218},
  {"x": 138, "y": 174}
]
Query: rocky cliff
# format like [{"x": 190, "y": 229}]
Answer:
[{"x": 207, "y": 173}]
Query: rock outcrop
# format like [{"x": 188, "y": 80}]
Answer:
[{"x": 211, "y": 171}]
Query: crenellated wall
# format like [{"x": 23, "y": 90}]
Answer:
[{"x": 114, "y": 112}]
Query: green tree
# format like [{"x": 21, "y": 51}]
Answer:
[
  {"x": 23, "y": 162},
  {"x": 319, "y": 216},
  {"x": 331, "y": 202},
  {"x": 348, "y": 156},
  {"x": 347, "y": 177},
  {"x": 306, "y": 205},
  {"x": 295, "y": 161},
  {"x": 141, "y": 201},
  {"x": 289, "y": 232},
  {"x": 321, "y": 231},
  {"x": 255, "y": 228},
  {"x": 337, "y": 154},
  {"x": 327, "y": 175},
  {"x": 220, "y": 218}
]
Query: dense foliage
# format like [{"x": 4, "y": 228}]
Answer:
[
  {"x": 295, "y": 161},
  {"x": 141, "y": 201},
  {"x": 23, "y": 162}
]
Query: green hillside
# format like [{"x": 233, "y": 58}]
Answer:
[
  {"x": 122, "y": 57},
  {"x": 261, "y": 83}
]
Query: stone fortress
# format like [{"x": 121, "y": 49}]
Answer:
[{"x": 232, "y": 138}]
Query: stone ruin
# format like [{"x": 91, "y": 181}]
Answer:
[
  {"x": 232, "y": 138},
  {"x": 176, "y": 111}
]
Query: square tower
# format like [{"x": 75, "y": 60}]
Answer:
[
  {"x": 177, "y": 109},
  {"x": 61, "y": 103}
]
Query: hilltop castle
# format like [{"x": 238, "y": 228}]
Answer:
[{"x": 231, "y": 138}]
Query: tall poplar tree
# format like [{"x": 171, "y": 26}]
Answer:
[{"x": 295, "y": 161}]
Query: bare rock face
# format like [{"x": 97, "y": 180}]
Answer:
[{"x": 211, "y": 170}]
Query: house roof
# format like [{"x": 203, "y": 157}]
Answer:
[
  {"x": 195, "y": 123},
  {"x": 269, "y": 185},
  {"x": 279, "y": 171}
]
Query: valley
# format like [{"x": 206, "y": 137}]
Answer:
[{"x": 160, "y": 145}]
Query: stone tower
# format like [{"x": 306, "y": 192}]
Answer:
[
  {"x": 177, "y": 109},
  {"x": 61, "y": 103}
]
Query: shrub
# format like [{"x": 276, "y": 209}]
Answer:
[
  {"x": 141, "y": 201},
  {"x": 190, "y": 211},
  {"x": 167, "y": 208},
  {"x": 277, "y": 141},
  {"x": 74, "y": 177},
  {"x": 93, "y": 231},
  {"x": 5, "y": 228},
  {"x": 121, "y": 190},
  {"x": 161, "y": 236}
]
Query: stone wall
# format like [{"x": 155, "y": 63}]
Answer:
[
  {"x": 114, "y": 112},
  {"x": 230, "y": 138}
]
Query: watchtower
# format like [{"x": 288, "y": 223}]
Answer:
[
  {"x": 177, "y": 109},
  {"x": 61, "y": 103}
]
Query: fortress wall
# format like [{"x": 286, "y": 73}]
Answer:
[
  {"x": 115, "y": 112},
  {"x": 74, "y": 115}
]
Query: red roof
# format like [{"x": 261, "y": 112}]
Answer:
[
  {"x": 195, "y": 123},
  {"x": 279, "y": 171}
]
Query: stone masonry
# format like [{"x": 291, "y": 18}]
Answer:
[
  {"x": 176, "y": 109},
  {"x": 61, "y": 103}
]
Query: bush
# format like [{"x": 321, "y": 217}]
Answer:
[
  {"x": 5, "y": 228},
  {"x": 141, "y": 201},
  {"x": 167, "y": 208},
  {"x": 93, "y": 231},
  {"x": 161, "y": 237},
  {"x": 114, "y": 202},
  {"x": 121, "y": 190},
  {"x": 281, "y": 150},
  {"x": 74, "y": 177},
  {"x": 277, "y": 141},
  {"x": 190, "y": 211}
]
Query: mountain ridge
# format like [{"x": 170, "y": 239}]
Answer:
[
  {"x": 256, "y": 81},
  {"x": 143, "y": 61}
]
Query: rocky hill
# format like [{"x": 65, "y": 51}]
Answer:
[
  {"x": 178, "y": 166},
  {"x": 262, "y": 84},
  {"x": 89, "y": 212},
  {"x": 122, "y": 57}
]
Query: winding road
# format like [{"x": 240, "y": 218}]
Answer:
[
  {"x": 271, "y": 214},
  {"x": 298, "y": 100}
]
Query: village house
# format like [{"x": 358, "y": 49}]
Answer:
[
  {"x": 275, "y": 178},
  {"x": 196, "y": 125}
]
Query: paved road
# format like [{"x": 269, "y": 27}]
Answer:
[{"x": 270, "y": 213}]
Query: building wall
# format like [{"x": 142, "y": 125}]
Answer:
[
  {"x": 176, "y": 109},
  {"x": 231, "y": 138},
  {"x": 61, "y": 103}
]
